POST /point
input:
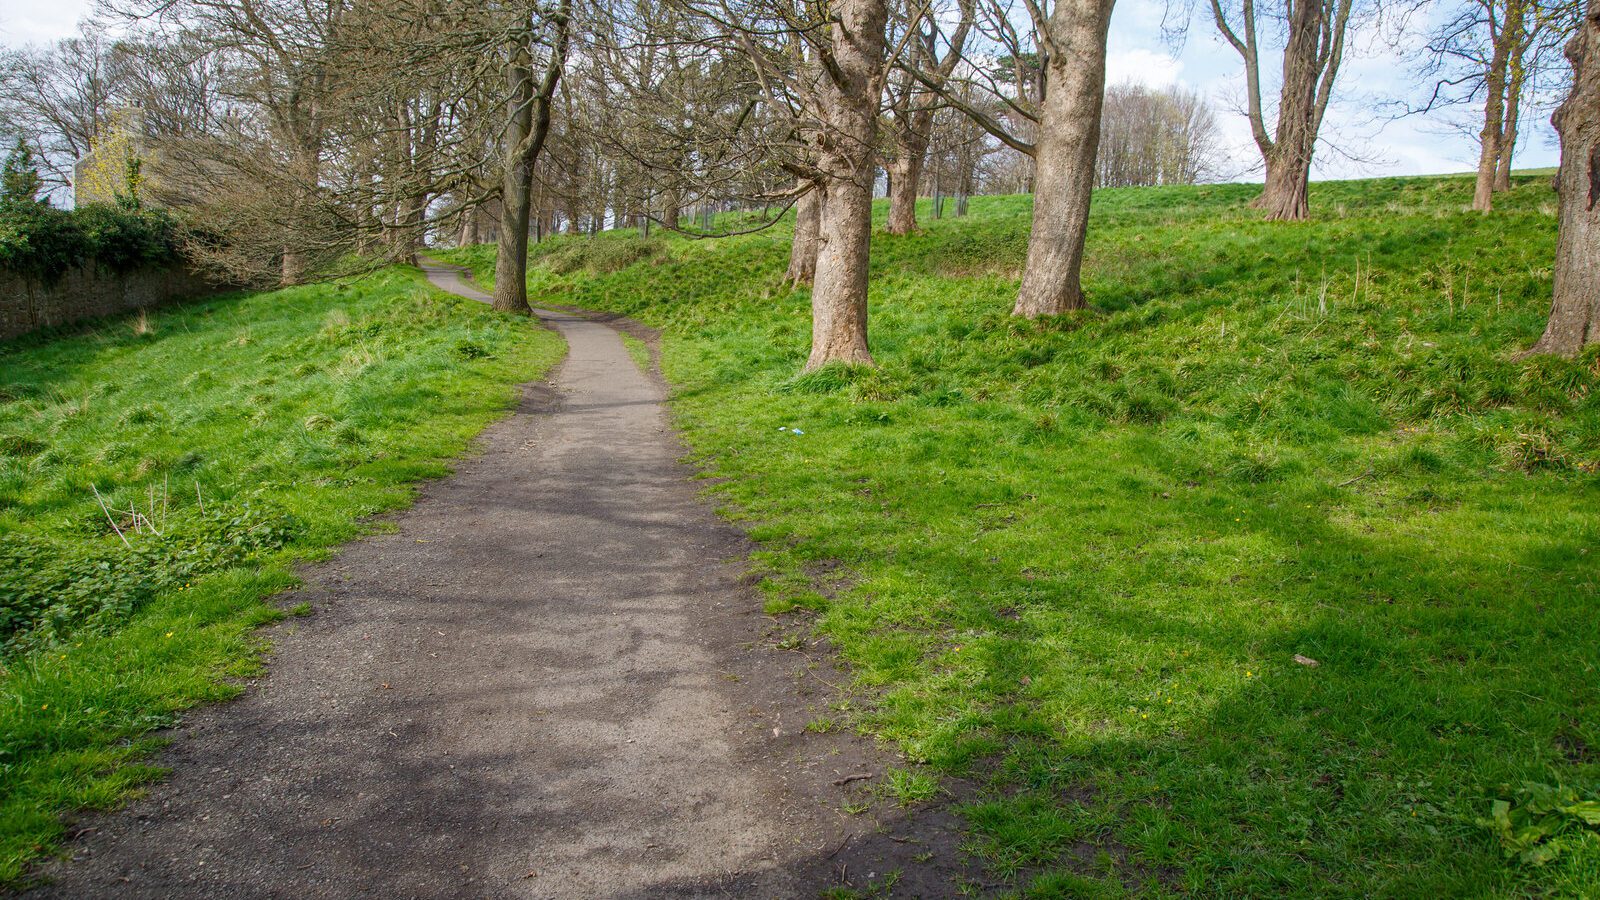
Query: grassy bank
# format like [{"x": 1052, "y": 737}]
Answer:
[
  {"x": 159, "y": 477},
  {"x": 1080, "y": 557}
]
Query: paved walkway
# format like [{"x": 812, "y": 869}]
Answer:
[{"x": 549, "y": 683}]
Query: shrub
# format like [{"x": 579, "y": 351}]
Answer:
[
  {"x": 122, "y": 240},
  {"x": 39, "y": 241}
]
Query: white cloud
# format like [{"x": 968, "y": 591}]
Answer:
[
  {"x": 39, "y": 21},
  {"x": 1140, "y": 66}
]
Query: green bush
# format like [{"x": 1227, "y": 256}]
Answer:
[
  {"x": 121, "y": 240},
  {"x": 39, "y": 241}
]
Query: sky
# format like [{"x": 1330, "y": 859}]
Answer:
[{"x": 1360, "y": 121}]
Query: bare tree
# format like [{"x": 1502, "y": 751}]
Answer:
[
  {"x": 677, "y": 114},
  {"x": 1500, "y": 54},
  {"x": 282, "y": 81},
  {"x": 528, "y": 112},
  {"x": 827, "y": 68},
  {"x": 1055, "y": 90},
  {"x": 1510, "y": 37},
  {"x": 1575, "y": 309},
  {"x": 1312, "y": 53},
  {"x": 1074, "y": 40},
  {"x": 1150, "y": 137},
  {"x": 957, "y": 156},
  {"x": 845, "y": 109},
  {"x": 57, "y": 97},
  {"x": 912, "y": 108}
]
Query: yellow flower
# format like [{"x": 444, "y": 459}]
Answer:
[{"x": 169, "y": 634}]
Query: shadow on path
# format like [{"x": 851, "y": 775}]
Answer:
[{"x": 550, "y": 681}]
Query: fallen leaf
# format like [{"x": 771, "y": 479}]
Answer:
[{"x": 1306, "y": 661}]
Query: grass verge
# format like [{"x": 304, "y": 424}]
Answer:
[
  {"x": 638, "y": 349},
  {"x": 1270, "y": 574},
  {"x": 161, "y": 475}
]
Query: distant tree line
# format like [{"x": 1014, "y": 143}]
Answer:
[
  {"x": 305, "y": 136},
  {"x": 1150, "y": 137}
]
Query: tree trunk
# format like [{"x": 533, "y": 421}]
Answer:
[
  {"x": 527, "y": 127},
  {"x": 1311, "y": 58},
  {"x": 963, "y": 178},
  {"x": 1493, "y": 121},
  {"x": 849, "y": 99},
  {"x": 902, "y": 195},
  {"x": 1286, "y": 195},
  {"x": 516, "y": 189},
  {"x": 1064, "y": 157},
  {"x": 293, "y": 267},
  {"x": 408, "y": 237},
  {"x": 803, "y": 249},
  {"x": 1508, "y": 133},
  {"x": 905, "y": 172},
  {"x": 1508, "y": 145},
  {"x": 1575, "y": 308},
  {"x": 839, "y": 292},
  {"x": 672, "y": 213}
]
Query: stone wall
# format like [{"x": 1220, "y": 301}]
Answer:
[{"x": 88, "y": 292}]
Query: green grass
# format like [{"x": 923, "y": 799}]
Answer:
[
  {"x": 290, "y": 417},
  {"x": 638, "y": 349},
  {"x": 1080, "y": 555}
]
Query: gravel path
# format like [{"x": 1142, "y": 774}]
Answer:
[{"x": 550, "y": 682}]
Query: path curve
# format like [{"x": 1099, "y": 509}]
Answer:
[{"x": 547, "y": 683}]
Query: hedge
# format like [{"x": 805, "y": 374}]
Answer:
[{"x": 39, "y": 241}]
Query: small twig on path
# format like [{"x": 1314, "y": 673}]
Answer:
[
  {"x": 860, "y": 776},
  {"x": 831, "y": 685},
  {"x": 840, "y": 847}
]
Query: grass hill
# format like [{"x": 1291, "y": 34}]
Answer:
[{"x": 1269, "y": 574}]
